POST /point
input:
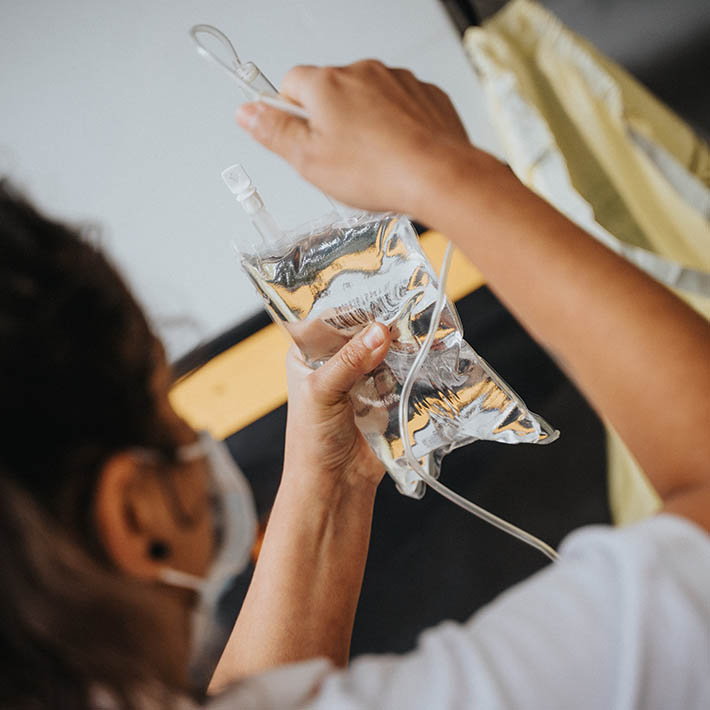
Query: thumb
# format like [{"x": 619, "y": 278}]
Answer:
[
  {"x": 280, "y": 132},
  {"x": 357, "y": 357}
]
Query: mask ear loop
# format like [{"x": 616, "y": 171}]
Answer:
[{"x": 241, "y": 73}]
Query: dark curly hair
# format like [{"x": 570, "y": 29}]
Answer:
[{"x": 77, "y": 360}]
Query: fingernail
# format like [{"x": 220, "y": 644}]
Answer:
[
  {"x": 247, "y": 115},
  {"x": 373, "y": 337}
]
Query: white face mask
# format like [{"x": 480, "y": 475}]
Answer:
[{"x": 234, "y": 515}]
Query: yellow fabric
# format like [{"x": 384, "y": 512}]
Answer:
[
  {"x": 631, "y": 495},
  {"x": 593, "y": 108},
  {"x": 248, "y": 381}
]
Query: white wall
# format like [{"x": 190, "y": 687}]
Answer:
[{"x": 109, "y": 115}]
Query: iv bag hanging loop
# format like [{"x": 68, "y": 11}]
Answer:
[
  {"x": 253, "y": 83},
  {"x": 195, "y": 33}
]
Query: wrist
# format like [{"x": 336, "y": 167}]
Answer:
[
  {"x": 444, "y": 170},
  {"x": 324, "y": 491}
]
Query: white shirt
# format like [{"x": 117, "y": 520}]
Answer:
[{"x": 621, "y": 621}]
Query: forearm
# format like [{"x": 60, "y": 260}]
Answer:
[
  {"x": 637, "y": 352},
  {"x": 302, "y": 599}
]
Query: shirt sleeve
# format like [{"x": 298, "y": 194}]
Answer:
[{"x": 621, "y": 621}]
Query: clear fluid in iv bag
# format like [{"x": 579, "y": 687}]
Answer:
[{"x": 331, "y": 282}]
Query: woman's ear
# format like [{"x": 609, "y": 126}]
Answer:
[{"x": 132, "y": 518}]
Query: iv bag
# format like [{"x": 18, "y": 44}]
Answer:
[{"x": 327, "y": 280}]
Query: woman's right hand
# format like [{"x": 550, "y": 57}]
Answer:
[{"x": 373, "y": 133}]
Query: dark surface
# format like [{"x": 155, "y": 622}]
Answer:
[{"x": 429, "y": 560}]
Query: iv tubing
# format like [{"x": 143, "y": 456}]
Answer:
[{"x": 432, "y": 482}]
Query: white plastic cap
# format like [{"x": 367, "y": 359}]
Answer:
[
  {"x": 237, "y": 180},
  {"x": 241, "y": 186}
]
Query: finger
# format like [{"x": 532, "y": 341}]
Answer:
[
  {"x": 295, "y": 361},
  {"x": 280, "y": 132},
  {"x": 296, "y": 369},
  {"x": 359, "y": 356},
  {"x": 298, "y": 82}
]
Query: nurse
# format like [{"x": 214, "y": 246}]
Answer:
[{"x": 119, "y": 525}]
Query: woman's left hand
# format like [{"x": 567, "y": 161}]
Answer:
[{"x": 323, "y": 444}]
